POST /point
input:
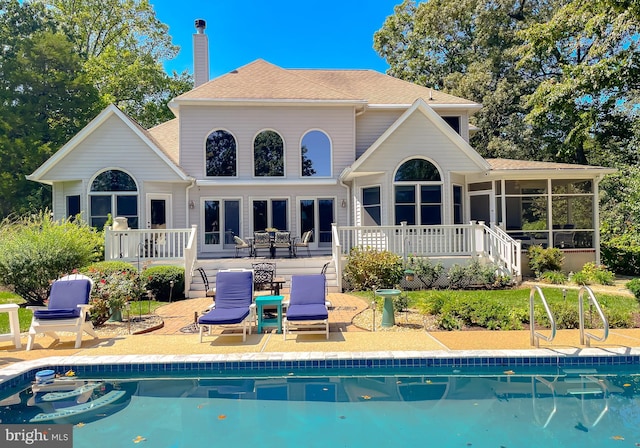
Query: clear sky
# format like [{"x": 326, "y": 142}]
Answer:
[{"x": 290, "y": 34}]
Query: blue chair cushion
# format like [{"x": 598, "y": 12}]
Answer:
[
  {"x": 221, "y": 316},
  {"x": 67, "y": 294},
  {"x": 308, "y": 289},
  {"x": 58, "y": 313},
  {"x": 307, "y": 312}
]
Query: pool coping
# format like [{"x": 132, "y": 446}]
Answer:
[{"x": 24, "y": 372}]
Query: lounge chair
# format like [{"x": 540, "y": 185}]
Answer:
[
  {"x": 234, "y": 303},
  {"x": 67, "y": 310},
  {"x": 307, "y": 310}
]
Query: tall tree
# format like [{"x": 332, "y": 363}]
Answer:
[
  {"x": 466, "y": 48},
  {"x": 123, "y": 45},
  {"x": 587, "y": 62},
  {"x": 45, "y": 98}
]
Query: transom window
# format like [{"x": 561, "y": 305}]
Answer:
[
  {"x": 114, "y": 193},
  {"x": 418, "y": 193},
  {"x": 315, "y": 154},
  {"x": 221, "y": 154},
  {"x": 268, "y": 154}
]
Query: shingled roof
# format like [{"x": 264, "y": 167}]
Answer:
[{"x": 261, "y": 80}]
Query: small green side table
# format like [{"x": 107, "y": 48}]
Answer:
[
  {"x": 268, "y": 301},
  {"x": 388, "y": 316}
]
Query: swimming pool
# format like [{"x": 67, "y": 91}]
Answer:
[{"x": 546, "y": 399}]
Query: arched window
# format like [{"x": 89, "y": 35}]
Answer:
[
  {"x": 221, "y": 154},
  {"x": 418, "y": 193},
  {"x": 315, "y": 153},
  {"x": 268, "y": 154},
  {"x": 113, "y": 192}
]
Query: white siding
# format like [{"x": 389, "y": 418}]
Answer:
[
  {"x": 371, "y": 125},
  {"x": 196, "y": 123},
  {"x": 112, "y": 145}
]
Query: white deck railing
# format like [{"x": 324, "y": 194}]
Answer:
[
  {"x": 142, "y": 244},
  {"x": 460, "y": 240}
]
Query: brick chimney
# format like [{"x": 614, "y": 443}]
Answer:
[{"x": 200, "y": 54}]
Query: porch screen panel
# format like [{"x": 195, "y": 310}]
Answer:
[{"x": 572, "y": 208}]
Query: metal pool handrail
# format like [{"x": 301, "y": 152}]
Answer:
[
  {"x": 534, "y": 399},
  {"x": 583, "y": 334},
  {"x": 535, "y": 336}
]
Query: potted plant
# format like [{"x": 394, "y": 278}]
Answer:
[{"x": 115, "y": 290}]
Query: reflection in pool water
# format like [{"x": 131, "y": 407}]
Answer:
[{"x": 570, "y": 407}]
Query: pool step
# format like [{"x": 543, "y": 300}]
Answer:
[
  {"x": 55, "y": 396},
  {"x": 104, "y": 400}
]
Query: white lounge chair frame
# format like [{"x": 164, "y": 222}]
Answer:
[{"x": 78, "y": 325}]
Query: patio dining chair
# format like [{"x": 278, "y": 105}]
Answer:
[
  {"x": 261, "y": 240},
  {"x": 282, "y": 240},
  {"x": 263, "y": 275},
  {"x": 241, "y": 245},
  {"x": 304, "y": 242}
]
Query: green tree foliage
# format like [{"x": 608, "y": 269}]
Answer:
[
  {"x": 123, "y": 44},
  {"x": 586, "y": 61},
  {"x": 45, "y": 98},
  {"x": 466, "y": 48},
  {"x": 36, "y": 250}
]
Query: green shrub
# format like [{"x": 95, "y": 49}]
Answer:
[
  {"x": 401, "y": 302},
  {"x": 371, "y": 269},
  {"x": 158, "y": 281},
  {"x": 554, "y": 277},
  {"x": 427, "y": 272},
  {"x": 35, "y": 250},
  {"x": 580, "y": 278},
  {"x": 542, "y": 260},
  {"x": 621, "y": 256},
  {"x": 458, "y": 277},
  {"x": 592, "y": 273},
  {"x": 634, "y": 287},
  {"x": 109, "y": 267}
]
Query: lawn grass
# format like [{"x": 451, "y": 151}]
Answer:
[
  {"x": 24, "y": 315},
  {"x": 618, "y": 309}
]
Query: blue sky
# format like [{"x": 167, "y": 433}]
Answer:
[{"x": 290, "y": 34}]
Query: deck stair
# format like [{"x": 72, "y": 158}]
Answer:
[{"x": 285, "y": 267}]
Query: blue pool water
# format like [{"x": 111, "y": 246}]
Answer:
[{"x": 445, "y": 406}]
